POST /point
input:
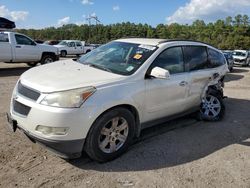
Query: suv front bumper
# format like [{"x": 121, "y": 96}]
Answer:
[{"x": 67, "y": 149}]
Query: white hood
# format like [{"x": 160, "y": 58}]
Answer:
[{"x": 65, "y": 75}]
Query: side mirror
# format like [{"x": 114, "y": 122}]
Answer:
[
  {"x": 160, "y": 73},
  {"x": 33, "y": 43}
]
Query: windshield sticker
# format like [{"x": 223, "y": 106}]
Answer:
[
  {"x": 130, "y": 68},
  {"x": 137, "y": 56},
  {"x": 148, "y": 47}
]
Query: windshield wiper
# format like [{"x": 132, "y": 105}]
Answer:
[{"x": 99, "y": 67}]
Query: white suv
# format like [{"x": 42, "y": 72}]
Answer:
[{"x": 100, "y": 103}]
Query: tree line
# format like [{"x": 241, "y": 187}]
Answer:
[{"x": 231, "y": 33}]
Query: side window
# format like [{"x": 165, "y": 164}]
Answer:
[
  {"x": 78, "y": 44},
  {"x": 22, "y": 40},
  {"x": 171, "y": 59},
  {"x": 196, "y": 57},
  {"x": 4, "y": 37},
  {"x": 216, "y": 59},
  {"x": 71, "y": 44}
]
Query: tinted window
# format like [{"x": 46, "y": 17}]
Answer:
[
  {"x": 171, "y": 59},
  {"x": 216, "y": 59},
  {"x": 196, "y": 57},
  {"x": 20, "y": 39},
  {"x": 4, "y": 37},
  {"x": 78, "y": 44},
  {"x": 71, "y": 44}
]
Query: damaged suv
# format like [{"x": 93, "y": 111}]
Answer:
[{"x": 102, "y": 101}]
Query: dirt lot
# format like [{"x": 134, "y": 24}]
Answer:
[{"x": 194, "y": 154}]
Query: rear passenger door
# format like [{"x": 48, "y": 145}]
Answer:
[
  {"x": 200, "y": 72},
  {"x": 79, "y": 48}
]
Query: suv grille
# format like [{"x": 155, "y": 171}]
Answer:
[
  {"x": 21, "y": 108},
  {"x": 26, "y": 92}
]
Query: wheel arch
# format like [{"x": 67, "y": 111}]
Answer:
[{"x": 129, "y": 107}]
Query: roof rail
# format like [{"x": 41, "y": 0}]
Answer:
[{"x": 187, "y": 40}]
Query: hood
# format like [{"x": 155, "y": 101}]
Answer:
[
  {"x": 48, "y": 48},
  {"x": 66, "y": 75},
  {"x": 239, "y": 57}
]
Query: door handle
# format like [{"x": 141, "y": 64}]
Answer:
[
  {"x": 18, "y": 46},
  {"x": 183, "y": 83}
]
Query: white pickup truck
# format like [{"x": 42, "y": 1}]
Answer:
[
  {"x": 18, "y": 48},
  {"x": 70, "y": 47}
]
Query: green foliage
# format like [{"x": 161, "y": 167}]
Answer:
[{"x": 230, "y": 33}]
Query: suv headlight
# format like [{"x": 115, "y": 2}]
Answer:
[{"x": 68, "y": 99}]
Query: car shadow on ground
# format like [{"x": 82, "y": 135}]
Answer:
[
  {"x": 163, "y": 146},
  {"x": 240, "y": 69},
  {"x": 5, "y": 72}
]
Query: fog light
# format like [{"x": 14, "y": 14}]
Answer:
[{"x": 52, "y": 130}]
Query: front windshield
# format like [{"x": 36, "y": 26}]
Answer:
[
  {"x": 63, "y": 43},
  {"x": 118, "y": 57},
  {"x": 239, "y": 54}
]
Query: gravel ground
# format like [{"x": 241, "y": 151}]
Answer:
[{"x": 182, "y": 153}]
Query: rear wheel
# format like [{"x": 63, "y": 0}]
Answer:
[
  {"x": 110, "y": 135},
  {"x": 63, "y": 53},
  {"x": 212, "y": 107}
]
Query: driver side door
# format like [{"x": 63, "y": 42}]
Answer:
[
  {"x": 166, "y": 97},
  {"x": 26, "y": 50}
]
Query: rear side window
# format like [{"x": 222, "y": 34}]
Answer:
[
  {"x": 216, "y": 59},
  {"x": 171, "y": 59},
  {"x": 196, "y": 57},
  {"x": 4, "y": 37}
]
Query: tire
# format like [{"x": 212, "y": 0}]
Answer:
[
  {"x": 63, "y": 53},
  {"x": 32, "y": 64},
  {"x": 101, "y": 137},
  {"x": 212, "y": 107},
  {"x": 46, "y": 59}
]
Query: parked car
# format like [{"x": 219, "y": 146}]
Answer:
[
  {"x": 230, "y": 60},
  {"x": 70, "y": 47},
  {"x": 101, "y": 102},
  {"x": 39, "y": 41},
  {"x": 241, "y": 57},
  {"x": 16, "y": 47},
  {"x": 52, "y": 42}
]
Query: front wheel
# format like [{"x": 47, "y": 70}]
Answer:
[
  {"x": 212, "y": 107},
  {"x": 47, "y": 59},
  {"x": 110, "y": 135}
]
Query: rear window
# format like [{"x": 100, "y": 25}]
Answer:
[
  {"x": 195, "y": 57},
  {"x": 4, "y": 37},
  {"x": 216, "y": 59}
]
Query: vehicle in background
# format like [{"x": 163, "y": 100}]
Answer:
[
  {"x": 39, "y": 41},
  {"x": 241, "y": 57},
  {"x": 88, "y": 48},
  {"x": 100, "y": 103},
  {"x": 230, "y": 60},
  {"x": 52, "y": 42},
  {"x": 16, "y": 47},
  {"x": 70, "y": 47}
]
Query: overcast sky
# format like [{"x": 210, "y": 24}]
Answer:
[{"x": 46, "y": 13}]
